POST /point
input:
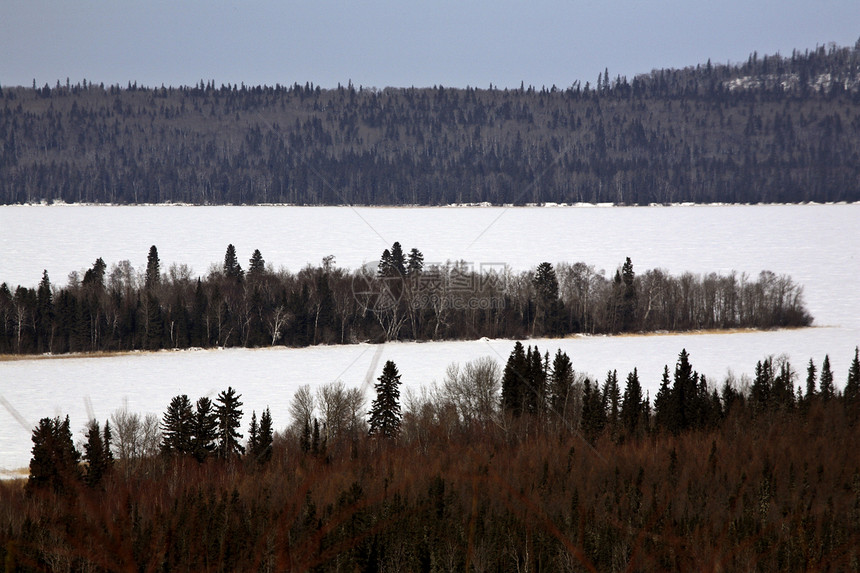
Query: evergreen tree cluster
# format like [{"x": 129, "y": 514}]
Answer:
[
  {"x": 769, "y": 484},
  {"x": 685, "y": 401},
  {"x": 212, "y": 429},
  {"x": 120, "y": 309},
  {"x": 772, "y": 129}
]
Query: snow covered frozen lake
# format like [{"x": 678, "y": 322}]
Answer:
[{"x": 817, "y": 245}]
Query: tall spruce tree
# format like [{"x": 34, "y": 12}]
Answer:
[
  {"x": 534, "y": 388},
  {"x": 265, "y": 437},
  {"x": 631, "y": 403},
  {"x": 663, "y": 402},
  {"x": 205, "y": 429},
  {"x": 782, "y": 391},
  {"x": 548, "y": 314},
  {"x": 96, "y": 454},
  {"x": 256, "y": 265},
  {"x": 561, "y": 384},
  {"x": 232, "y": 268},
  {"x": 385, "y": 409},
  {"x": 684, "y": 395},
  {"x": 851, "y": 394},
  {"x": 398, "y": 259},
  {"x": 760, "y": 392},
  {"x": 514, "y": 380},
  {"x": 593, "y": 419},
  {"x": 153, "y": 269},
  {"x": 177, "y": 427},
  {"x": 384, "y": 268},
  {"x": 810, "y": 380},
  {"x": 629, "y": 299},
  {"x": 415, "y": 263},
  {"x": 44, "y": 314},
  {"x": 229, "y": 418},
  {"x": 611, "y": 399},
  {"x": 827, "y": 391},
  {"x": 95, "y": 277},
  {"x": 253, "y": 436},
  {"x": 107, "y": 440}
]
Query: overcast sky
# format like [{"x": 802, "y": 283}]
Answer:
[{"x": 385, "y": 43}]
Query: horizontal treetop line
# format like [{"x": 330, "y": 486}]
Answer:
[{"x": 770, "y": 130}]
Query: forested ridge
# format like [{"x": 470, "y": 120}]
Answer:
[
  {"x": 771, "y": 129},
  {"x": 535, "y": 467},
  {"x": 120, "y": 308}
]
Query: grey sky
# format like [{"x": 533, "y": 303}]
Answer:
[{"x": 385, "y": 43}]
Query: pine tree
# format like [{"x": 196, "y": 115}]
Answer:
[
  {"x": 810, "y": 380},
  {"x": 264, "y": 438},
  {"x": 385, "y": 268},
  {"x": 96, "y": 455},
  {"x": 253, "y": 436},
  {"x": 385, "y": 409},
  {"x": 593, "y": 419},
  {"x": 826, "y": 381},
  {"x": 561, "y": 383},
  {"x": 153, "y": 269},
  {"x": 629, "y": 298},
  {"x": 851, "y": 394},
  {"x": 782, "y": 391},
  {"x": 256, "y": 266},
  {"x": 514, "y": 380},
  {"x": 177, "y": 427},
  {"x": 549, "y": 307},
  {"x": 631, "y": 404},
  {"x": 95, "y": 277},
  {"x": 760, "y": 393},
  {"x": 684, "y": 395},
  {"x": 44, "y": 314},
  {"x": 199, "y": 334},
  {"x": 153, "y": 321},
  {"x": 55, "y": 460},
  {"x": 398, "y": 260},
  {"x": 205, "y": 429},
  {"x": 107, "y": 440},
  {"x": 611, "y": 399},
  {"x": 232, "y": 268},
  {"x": 534, "y": 389},
  {"x": 415, "y": 264},
  {"x": 663, "y": 403},
  {"x": 229, "y": 418}
]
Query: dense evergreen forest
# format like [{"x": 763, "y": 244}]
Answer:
[
  {"x": 772, "y": 129},
  {"x": 120, "y": 309},
  {"x": 530, "y": 468}
]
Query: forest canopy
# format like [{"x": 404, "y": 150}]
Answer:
[{"x": 772, "y": 129}]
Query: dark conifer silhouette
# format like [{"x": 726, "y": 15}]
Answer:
[
  {"x": 385, "y": 417},
  {"x": 229, "y": 418},
  {"x": 177, "y": 427}
]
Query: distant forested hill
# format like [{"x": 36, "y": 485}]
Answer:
[{"x": 773, "y": 129}]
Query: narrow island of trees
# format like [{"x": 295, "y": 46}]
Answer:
[
  {"x": 534, "y": 466},
  {"x": 404, "y": 298}
]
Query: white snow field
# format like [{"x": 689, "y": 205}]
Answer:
[{"x": 817, "y": 245}]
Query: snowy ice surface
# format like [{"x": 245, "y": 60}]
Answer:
[{"x": 817, "y": 245}]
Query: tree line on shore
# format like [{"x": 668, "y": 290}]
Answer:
[
  {"x": 531, "y": 466},
  {"x": 122, "y": 309},
  {"x": 771, "y": 129}
]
